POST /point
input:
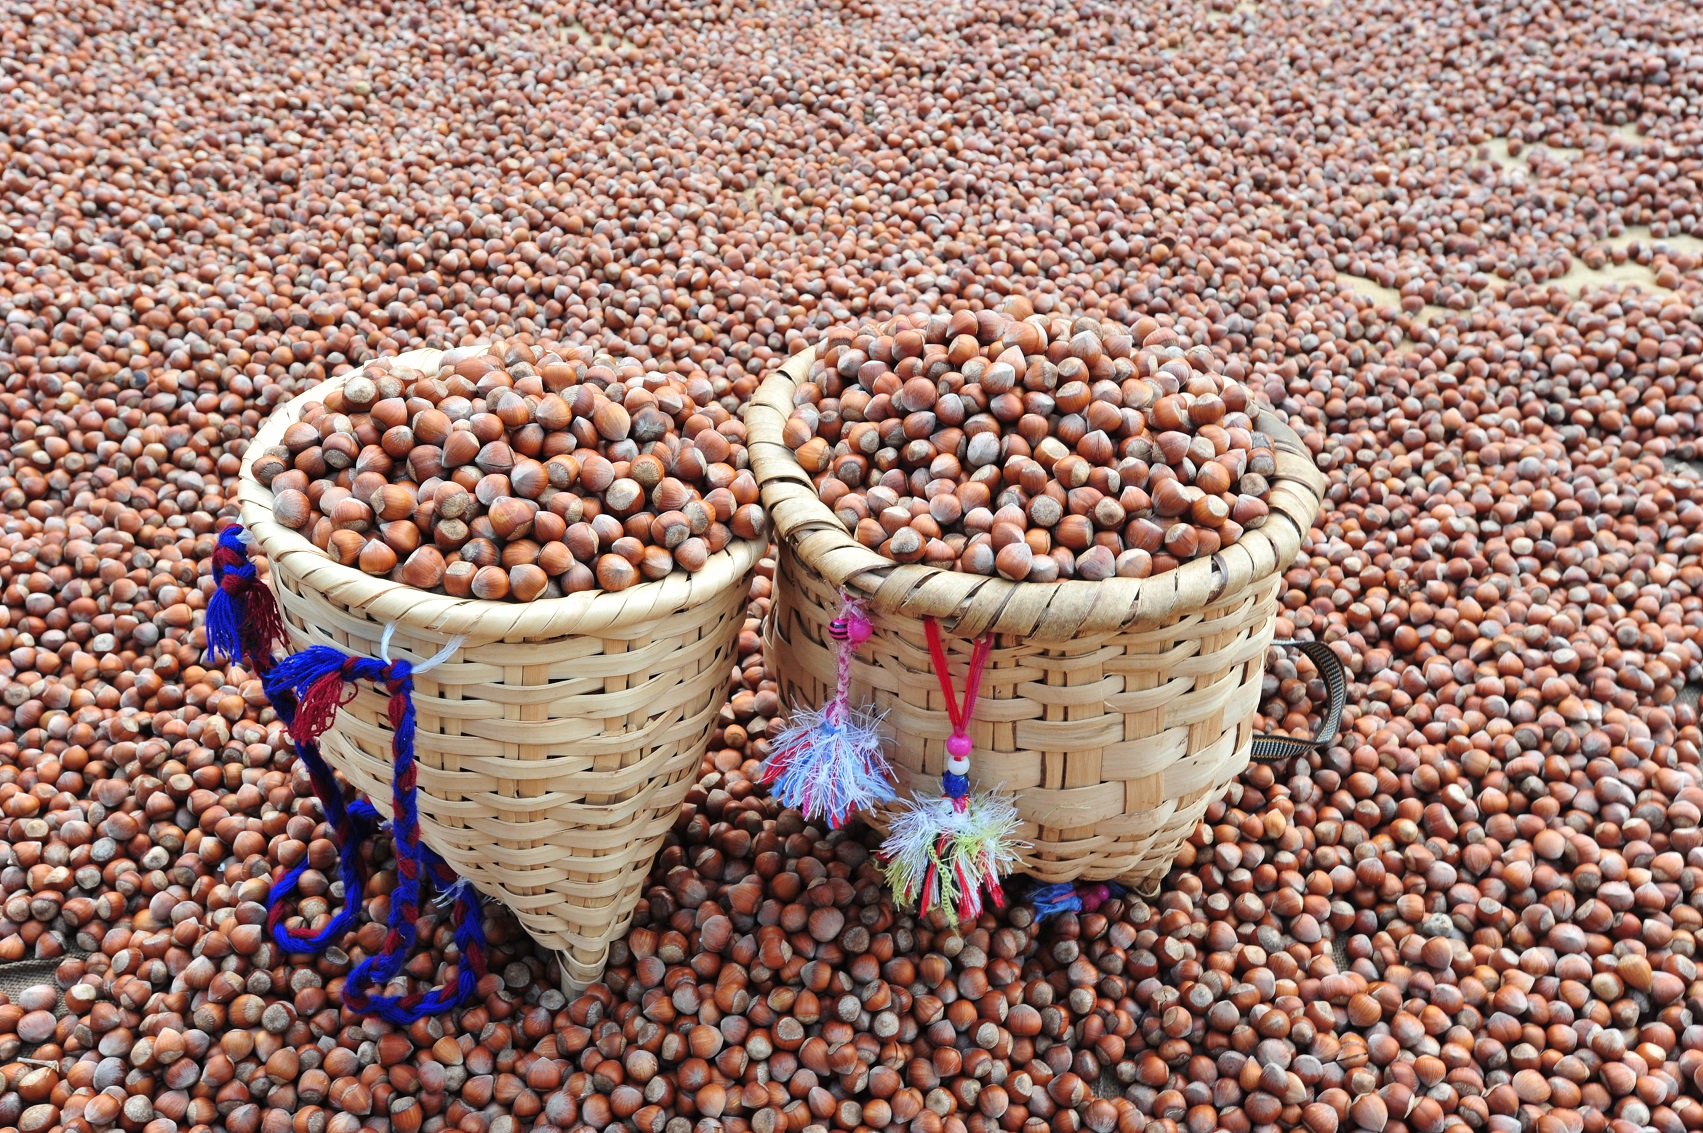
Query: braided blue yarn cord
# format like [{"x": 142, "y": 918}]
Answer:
[
  {"x": 242, "y": 622},
  {"x": 318, "y": 676},
  {"x": 351, "y": 825},
  {"x": 384, "y": 966},
  {"x": 404, "y": 1010},
  {"x": 352, "y": 873}
]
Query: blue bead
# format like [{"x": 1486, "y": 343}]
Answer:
[{"x": 955, "y": 786}]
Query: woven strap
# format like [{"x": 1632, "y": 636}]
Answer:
[
  {"x": 312, "y": 684},
  {"x": 1270, "y": 747}
]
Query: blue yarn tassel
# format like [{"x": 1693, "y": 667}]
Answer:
[
  {"x": 1051, "y": 900},
  {"x": 224, "y": 619},
  {"x": 298, "y": 672},
  {"x": 224, "y": 635},
  {"x": 242, "y": 621},
  {"x": 316, "y": 680},
  {"x": 1068, "y": 897}
]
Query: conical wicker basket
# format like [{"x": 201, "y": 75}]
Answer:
[
  {"x": 556, "y": 746},
  {"x": 1115, "y": 712}
]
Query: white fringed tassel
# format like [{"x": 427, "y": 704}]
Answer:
[
  {"x": 828, "y": 763},
  {"x": 943, "y": 852},
  {"x": 829, "y": 769},
  {"x": 940, "y": 857}
]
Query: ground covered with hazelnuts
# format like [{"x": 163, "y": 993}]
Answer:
[{"x": 1456, "y": 244}]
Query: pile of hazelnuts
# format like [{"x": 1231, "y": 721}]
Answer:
[
  {"x": 1036, "y": 449},
  {"x": 517, "y": 472}
]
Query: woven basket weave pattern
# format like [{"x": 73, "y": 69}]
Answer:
[
  {"x": 1115, "y": 712},
  {"x": 556, "y": 746}
]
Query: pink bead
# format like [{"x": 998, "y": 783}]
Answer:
[
  {"x": 858, "y": 630},
  {"x": 958, "y": 744}
]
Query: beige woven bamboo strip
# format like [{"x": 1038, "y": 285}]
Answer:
[
  {"x": 556, "y": 746},
  {"x": 1115, "y": 712}
]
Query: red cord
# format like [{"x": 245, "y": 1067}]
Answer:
[{"x": 960, "y": 717}]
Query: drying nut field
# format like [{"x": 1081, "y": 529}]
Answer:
[{"x": 1455, "y": 242}]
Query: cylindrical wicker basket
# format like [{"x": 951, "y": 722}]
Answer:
[
  {"x": 1115, "y": 712},
  {"x": 556, "y": 746}
]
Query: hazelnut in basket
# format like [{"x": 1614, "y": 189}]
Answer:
[
  {"x": 1038, "y": 449},
  {"x": 517, "y": 472}
]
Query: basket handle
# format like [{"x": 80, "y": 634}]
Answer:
[{"x": 1271, "y": 747}]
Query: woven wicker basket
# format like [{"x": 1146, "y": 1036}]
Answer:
[
  {"x": 1114, "y": 711},
  {"x": 556, "y": 746}
]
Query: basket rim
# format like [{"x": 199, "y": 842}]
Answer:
[
  {"x": 482, "y": 621},
  {"x": 971, "y": 605}
]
